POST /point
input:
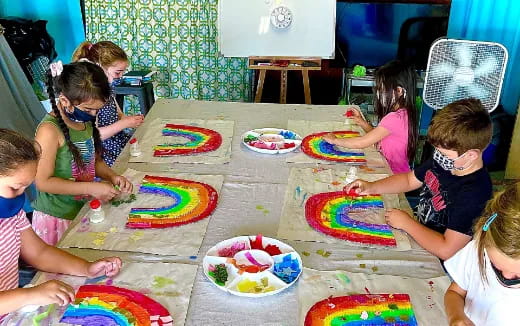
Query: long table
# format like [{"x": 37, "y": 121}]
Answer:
[{"x": 247, "y": 174}]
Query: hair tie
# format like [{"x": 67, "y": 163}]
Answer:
[
  {"x": 490, "y": 220},
  {"x": 85, "y": 60},
  {"x": 90, "y": 46},
  {"x": 56, "y": 68}
]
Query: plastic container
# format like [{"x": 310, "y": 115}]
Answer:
[
  {"x": 134, "y": 148},
  {"x": 96, "y": 212}
]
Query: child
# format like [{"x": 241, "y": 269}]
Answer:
[
  {"x": 18, "y": 162},
  {"x": 486, "y": 273},
  {"x": 110, "y": 120},
  {"x": 395, "y": 108},
  {"x": 70, "y": 143},
  {"x": 455, "y": 184}
]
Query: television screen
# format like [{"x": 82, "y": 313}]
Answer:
[{"x": 372, "y": 34}]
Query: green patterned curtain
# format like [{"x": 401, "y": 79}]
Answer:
[{"x": 178, "y": 39}]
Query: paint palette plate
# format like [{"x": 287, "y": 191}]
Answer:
[
  {"x": 271, "y": 140},
  {"x": 252, "y": 266}
]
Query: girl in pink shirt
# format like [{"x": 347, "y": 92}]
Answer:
[
  {"x": 18, "y": 161},
  {"x": 395, "y": 107}
]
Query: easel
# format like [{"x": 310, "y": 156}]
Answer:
[{"x": 284, "y": 64}]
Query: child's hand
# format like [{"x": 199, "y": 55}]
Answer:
[
  {"x": 108, "y": 266},
  {"x": 122, "y": 183},
  {"x": 103, "y": 191},
  {"x": 330, "y": 138},
  {"x": 397, "y": 218},
  {"x": 356, "y": 116},
  {"x": 360, "y": 187},
  {"x": 132, "y": 121},
  {"x": 51, "y": 292},
  {"x": 461, "y": 321}
]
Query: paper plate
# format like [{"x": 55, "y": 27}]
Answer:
[
  {"x": 271, "y": 140},
  {"x": 252, "y": 266}
]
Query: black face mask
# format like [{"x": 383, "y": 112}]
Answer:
[{"x": 504, "y": 281}]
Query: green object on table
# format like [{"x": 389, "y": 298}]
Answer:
[
  {"x": 343, "y": 101},
  {"x": 359, "y": 71},
  {"x": 38, "y": 318},
  {"x": 130, "y": 199}
]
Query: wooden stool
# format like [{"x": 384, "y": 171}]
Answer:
[
  {"x": 144, "y": 93},
  {"x": 284, "y": 64}
]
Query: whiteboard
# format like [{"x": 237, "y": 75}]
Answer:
[{"x": 246, "y": 28}]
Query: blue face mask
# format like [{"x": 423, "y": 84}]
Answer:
[
  {"x": 80, "y": 116},
  {"x": 116, "y": 82},
  {"x": 9, "y": 207}
]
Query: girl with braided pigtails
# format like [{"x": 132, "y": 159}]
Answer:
[{"x": 71, "y": 149}]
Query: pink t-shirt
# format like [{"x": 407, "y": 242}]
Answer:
[
  {"x": 10, "y": 243},
  {"x": 394, "y": 146}
]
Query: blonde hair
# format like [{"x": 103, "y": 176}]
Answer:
[
  {"x": 104, "y": 53},
  {"x": 504, "y": 232}
]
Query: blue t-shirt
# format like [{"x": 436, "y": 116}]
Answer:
[{"x": 451, "y": 202}]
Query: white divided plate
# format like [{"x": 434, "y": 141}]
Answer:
[
  {"x": 271, "y": 140},
  {"x": 253, "y": 271}
]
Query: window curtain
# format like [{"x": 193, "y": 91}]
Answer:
[
  {"x": 178, "y": 39},
  {"x": 20, "y": 108},
  {"x": 494, "y": 21}
]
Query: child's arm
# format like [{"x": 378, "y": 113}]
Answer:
[
  {"x": 390, "y": 185},
  {"x": 54, "y": 260},
  {"x": 106, "y": 173},
  {"x": 372, "y": 137},
  {"x": 132, "y": 121},
  {"x": 49, "y": 139},
  {"x": 51, "y": 259},
  {"x": 454, "y": 305},
  {"x": 43, "y": 294},
  {"x": 358, "y": 118},
  {"x": 441, "y": 245},
  {"x": 123, "y": 122}
]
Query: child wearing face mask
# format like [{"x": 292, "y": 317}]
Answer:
[
  {"x": 486, "y": 273},
  {"x": 111, "y": 121},
  {"x": 454, "y": 184},
  {"x": 71, "y": 149},
  {"x": 396, "y": 133},
  {"x": 18, "y": 161}
]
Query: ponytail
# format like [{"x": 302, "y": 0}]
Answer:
[{"x": 83, "y": 51}]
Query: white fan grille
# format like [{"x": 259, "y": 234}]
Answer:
[{"x": 459, "y": 69}]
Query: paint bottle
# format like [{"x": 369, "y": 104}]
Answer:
[
  {"x": 134, "y": 147},
  {"x": 351, "y": 176},
  {"x": 96, "y": 211}
]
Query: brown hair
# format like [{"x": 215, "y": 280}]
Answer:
[
  {"x": 387, "y": 78},
  {"x": 504, "y": 232},
  {"x": 15, "y": 151},
  {"x": 104, "y": 53},
  {"x": 461, "y": 126},
  {"x": 79, "y": 82}
]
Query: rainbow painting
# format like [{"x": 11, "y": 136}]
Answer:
[
  {"x": 328, "y": 213},
  {"x": 106, "y": 305},
  {"x": 200, "y": 140},
  {"x": 192, "y": 201},
  {"x": 314, "y": 146},
  {"x": 362, "y": 309}
]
